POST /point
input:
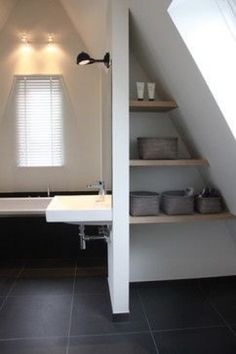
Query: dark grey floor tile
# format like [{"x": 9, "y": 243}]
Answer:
[
  {"x": 9, "y": 272},
  {"x": 116, "y": 344},
  {"x": 98, "y": 271},
  {"x": 165, "y": 284},
  {"x": 91, "y": 285},
  {"x": 5, "y": 285},
  {"x": 8, "y": 276},
  {"x": 45, "y": 282},
  {"x": 1, "y": 300},
  {"x": 221, "y": 292},
  {"x": 50, "y": 263},
  {"x": 196, "y": 341},
  {"x": 91, "y": 262},
  {"x": 177, "y": 306},
  {"x": 92, "y": 315},
  {"x": 35, "y": 316},
  {"x": 211, "y": 285},
  {"x": 39, "y": 346}
]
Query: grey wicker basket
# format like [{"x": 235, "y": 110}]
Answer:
[
  {"x": 209, "y": 205},
  {"x": 144, "y": 203},
  {"x": 177, "y": 203},
  {"x": 157, "y": 148}
]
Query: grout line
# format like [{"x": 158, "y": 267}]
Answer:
[
  {"x": 73, "y": 337},
  {"x": 148, "y": 323},
  {"x": 227, "y": 324},
  {"x": 12, "y": 287},
  {"x": 71, "y": 310},
  {"x": 29, "y": 338},
  {"x": 109, "y": 334},
  {"x": 39, "y": 295},
  {"x": 187, "y": 328},
  {"x": 223, "y": 319}
]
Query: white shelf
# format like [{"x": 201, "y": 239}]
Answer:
[
  {"x": 166, "y": 163},
  {"x": 152, "y": 106},
  {"x": 168, "y": 219}
]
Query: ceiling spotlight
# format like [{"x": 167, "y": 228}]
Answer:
[
  {"x": 85, "y": 59},
  {"x": 50, "y": 38},
  {"x": 24, "y": 39}
]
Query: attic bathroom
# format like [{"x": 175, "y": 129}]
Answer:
[{"x": 83, "y": 268}]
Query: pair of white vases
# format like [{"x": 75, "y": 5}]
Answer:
[{"x": 151, "y": 88}]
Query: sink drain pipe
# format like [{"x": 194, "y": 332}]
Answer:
[{"x": 103, "y": 234}]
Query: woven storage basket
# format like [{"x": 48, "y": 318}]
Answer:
[
  {"x": 157, "y": 148},
  {"x": 209, "y": 205},
  {"x": 177, "y": 203},
  {"x": 144, "y": 203}
]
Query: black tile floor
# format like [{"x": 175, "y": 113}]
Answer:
[{"x": 54, "y": 308}]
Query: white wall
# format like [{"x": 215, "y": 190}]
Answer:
[
  {"x": 118, "y": 247},
  {"x": 163, "y": 53},
  {"x": 106, "y": 98},
  {"x": 106, "y": 107},
  {"x": 82, "y": 87},
  {"x": 178, "y": 251},
  {"x": 89, "y": 18},
  {"x": 5, "y": 10},
  {"x": 181, "y": 250}
]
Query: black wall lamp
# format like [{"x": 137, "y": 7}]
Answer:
[{"x": 85, "y": 59}]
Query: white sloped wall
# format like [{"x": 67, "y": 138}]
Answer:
[
  {"x": 183, "y": 250},
  {"x": 166, "y": 57}
]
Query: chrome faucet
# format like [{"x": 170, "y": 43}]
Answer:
[
  {"x": 48, "y": 190},
  {"x": 100, "y": 185}
]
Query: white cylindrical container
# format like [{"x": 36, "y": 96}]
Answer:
[
  {"x": 151, "y": 90},
  {"x": 140, "y": 90}
]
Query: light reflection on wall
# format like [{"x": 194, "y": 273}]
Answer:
[{"x": 34, "y": 58}]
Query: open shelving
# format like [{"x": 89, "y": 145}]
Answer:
[
  {"x": 166, "y": 163},
  {"x": 167, "y": 219},
  {"x": 166, "y": 106},
  {"x": 152, "y": 106}
]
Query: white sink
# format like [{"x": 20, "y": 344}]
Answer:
[
  {"x": 80, "y": 209},
  {"x": 24, "y": 206}
]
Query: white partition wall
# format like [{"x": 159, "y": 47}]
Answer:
[{"x": 118, "y": 249}]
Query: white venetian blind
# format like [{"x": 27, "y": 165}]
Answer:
[{"x": 39, "y": 119}]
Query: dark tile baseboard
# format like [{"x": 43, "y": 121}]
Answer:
[{"x": 120, "y": 317}]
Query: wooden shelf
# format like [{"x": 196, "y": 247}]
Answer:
[
  {"x": 169, "y": 163},
  {"x": 152, "y": 106},
  {"x": 168, "y": 219}
]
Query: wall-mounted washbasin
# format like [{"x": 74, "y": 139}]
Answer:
[
  {"x": 80, "y": 209},
  {"x": 23, "y": 206}
]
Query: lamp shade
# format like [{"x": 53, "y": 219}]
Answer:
[{"x": 84, "y": 59}]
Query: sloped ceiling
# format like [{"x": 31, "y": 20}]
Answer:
[
  {"x": 160, "y": 49},
  {"x": 6, "y": 7},
  {"x": 89, "y": 18}
]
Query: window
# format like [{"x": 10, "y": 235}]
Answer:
[
  {"x": 39, "y": 121},
  {"x": 208, "y": 28}
]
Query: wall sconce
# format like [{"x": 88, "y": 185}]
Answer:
[{"x": 85, "y": 59}]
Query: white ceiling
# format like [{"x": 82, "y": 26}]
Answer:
[
  {"x": 88, "y": 17},
  {"x": 6, "y": 7}
]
